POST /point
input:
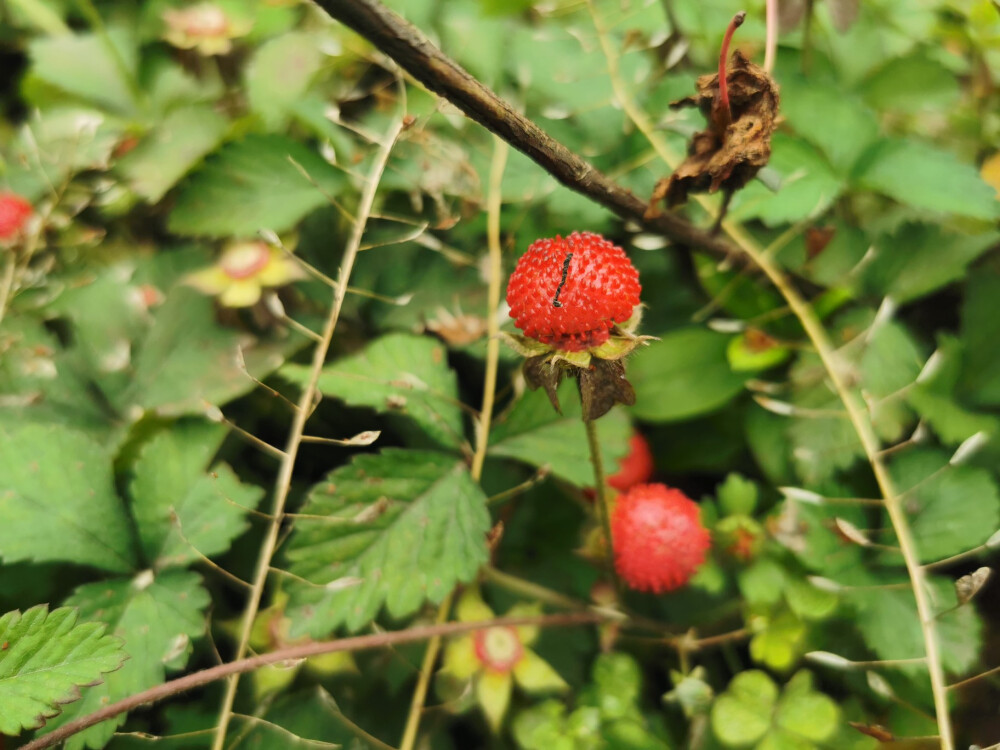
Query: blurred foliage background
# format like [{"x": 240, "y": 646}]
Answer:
[{"x": 153, "y": 138}]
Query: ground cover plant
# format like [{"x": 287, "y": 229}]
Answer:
[{"x": 499, "y": 374}]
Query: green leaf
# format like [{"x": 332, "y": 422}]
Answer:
[
  {"x": 46, "y": 658},
  {"x": 742, "y": 715},
  {"x": 279, "y": 74},
  {"x": 751, "y": 713},
  {"x": 398, "y": 529},
  {"x": 737, "y": 495},
  {"x": 808, "y": 186},
  {"x": 171, "y": 149},
  {"x": 926, "y": 177},
  {"x": 92, "y": 68},
  {"x": 912, "y": 84},
  {"x": 683, "y": 375},
  {"x": 187, "y": 362},
  {"x": 254, "y": 184},
  {"x": 980, "y": 369},
  {"x": 183, "y": 512},
  {"x": 840, "y": 125},
  {"x": 888, "y": 622},
  {"x": 780, "y": 643},
  {"x": 398, "y": 374},
  {"x": 918, "y": 259},
  {"x": 157, "y": 617},
  {"x": 889, "y": 362},
  {"x": 58, "y": 501},
  {"x": 951, "y": 508},
  {"x": 533, "y": 432},
  {"x": 951, "y": 422}
]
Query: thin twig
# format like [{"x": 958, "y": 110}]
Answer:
[
  {"x": 771, "y": 40},
  {"x": 415, "y": 53},
  {"x": 284, "y": 479},
  {"x": 303, "y": 651},
  {"x": 493, "y": 205}
]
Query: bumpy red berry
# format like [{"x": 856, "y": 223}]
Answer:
[
  {"x": 569, "y": 292},
  {"x": 659, "y": 541},
  {"x": 14, "y": 213},
  {"x": 636, "y": 468}
]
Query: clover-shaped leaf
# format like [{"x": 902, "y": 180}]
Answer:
[{"x": 754, "y": 713}]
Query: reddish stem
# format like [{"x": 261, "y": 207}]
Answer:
[{"x": 723, "y": 55}]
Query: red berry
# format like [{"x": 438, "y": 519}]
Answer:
[
  {"x": 658, "y": 538},
  {"x": 636, "y": 467},
  {"x": 14, "y": 212},
  {"x": 569, "y": 292}
]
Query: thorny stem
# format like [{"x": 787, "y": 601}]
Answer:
[
  {"x": 831, "y": 362},
  {"x": 601, "y": 501},
  {"x": 302, "y": 651},
  {"x": 727, "y": 113},
  {"x": 493, "y": 205},
  {"x": 301, "y": 414},
  {"x": 771, "y": 40}
]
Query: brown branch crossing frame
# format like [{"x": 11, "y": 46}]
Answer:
[
  {"x": 304, "y": 651},
  {"x": 414, "y": 52}
]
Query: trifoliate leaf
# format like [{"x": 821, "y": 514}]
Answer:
[
  {"x": 397, "y": 529},
  {"x": 534, "y": 433},
  {"x": 182, "y": 511},
  {"x": 157, "y": 617},
  {"x": 46, "y": 658},
  {"x": 399, "y": 374},
  {"x": 261, "y": 182},
  {"x": 58, "y": 500},
  {"x": 752, "y": 713}
]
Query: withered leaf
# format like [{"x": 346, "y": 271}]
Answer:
[
  {"x": 969, "y": 585},
  {"x": 541, "y": 372},
  {"x": 602, "y": 386},
  {"x": 877, "y": 731},
  {"x": 730, "y": 152}
]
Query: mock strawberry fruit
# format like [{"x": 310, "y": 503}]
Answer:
[
  {"x": 569, "y": 292},
  {"x": 636, "y": 468},
  {"x": 659, "y": 541},
  {"x": 14, "y": 214}
]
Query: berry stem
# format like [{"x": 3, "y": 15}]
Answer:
[
  {"x": 601, "y": 500},
  {"x": 727, "y": 115}
]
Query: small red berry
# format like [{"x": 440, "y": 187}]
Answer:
[
  {"x": 14, "y": 213},
  {"x": 636, "y": 468},
  {"x": 659, "y": 541},
  {"x": 568, "y": 293}
]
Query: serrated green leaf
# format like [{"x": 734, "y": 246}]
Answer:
[
  {"x": 279, "y": 74},
  {"x": 183, "y": 512},
  {"x": 402, "y": 527},
  {"x": 839, "y": 124},
  {"x": 535, "y": 433},
  {"x": 254, "y": 184},
  {"x": 58, "y": 500},
  {"x": 171, "y": 149},
  {"x": 46, "y": 658},
  {"x": 683, "y": 375},
  {"x": 918, "y": 259},
  {"x": 808, "y": 601},
  {"x": 84, "y": 66},
  {"x": 887, "y": 620},
  {"x": 780, "y": 643},
  {"x": 398, "y": 374},
  {"x": 187, "y": 361},
  {"x": 911, "y": 84},
  {"x": 951, "y": 508},
  {"x": 951, "y": 422},
  {"x": 980, "y": 364},
  {"x": 158, "y": 618},
  {"x": 808, "y": 186},
  {"x": 926, "y": 177}
]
